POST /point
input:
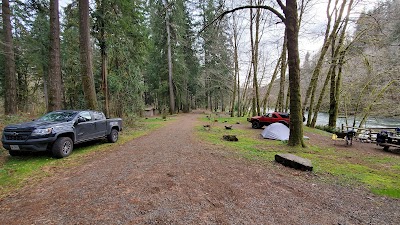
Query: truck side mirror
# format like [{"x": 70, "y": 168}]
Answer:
[{"x": 80, "y": 120}]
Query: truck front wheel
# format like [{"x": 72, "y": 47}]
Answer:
[
  {"x": 113, "y": 136},
  {"x": 62, "y": 147}
]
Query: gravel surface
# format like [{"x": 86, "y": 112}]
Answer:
[{"x": 169, "y": 177}]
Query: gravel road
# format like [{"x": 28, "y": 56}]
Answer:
[{"x": 170, "y": 177}]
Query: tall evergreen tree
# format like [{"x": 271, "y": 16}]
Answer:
[
  {"x": 55, "y": 94},
  {"x": 126, "y": 43},
  {"x": 71, "y": 59},
  {"x": 216, "y": 51},
  {"x": 185, "y": 63},
  {"x": 86, "y": 55},
  {"x": 169, "y": 58},
  {"x": 10, "y": 81}
]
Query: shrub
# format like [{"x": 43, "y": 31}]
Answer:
[{"x": 327, "y": 128}]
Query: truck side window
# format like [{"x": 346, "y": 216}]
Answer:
[
  {"x": 98, "y": 116},
  {"x": 86, "y": 115}
]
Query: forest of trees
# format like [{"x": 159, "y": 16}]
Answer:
[{"x": 120, "y": 56}]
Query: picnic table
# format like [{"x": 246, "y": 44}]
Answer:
[{"x": 393, "y": 140}]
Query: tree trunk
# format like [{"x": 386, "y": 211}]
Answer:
[
  {"x": 329, "y": 36},
  {"x": 296, "y": 115},
  {"x": 86, "y": 56},
  {"x": 281, "y": 95},
  {"x": 287, "y": 105},
  {"x": 236, "y": 68},
  {"x": 170, "y": 83},
  {"x": 253, "y": 96},
  {"x": 55, "y": 95},
  {"x": 244, "y": 95},
  {"x": 10, "y": 80},
  {"x": 255, "y": 62},
  {"x": 265, "y": 100},
  {"x": 364, "y": 89},
  {"x": 321, "y": 97},
  {"x": 103, "y": 54},
  {"x": 367, "y": 110},
  {"x": 337, "y": 80},
  {"x": 238, "y": 95}
]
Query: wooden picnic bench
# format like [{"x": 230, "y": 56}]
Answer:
[{"x": 387, "y": 145}]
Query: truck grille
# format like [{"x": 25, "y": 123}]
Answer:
[{"x": 17, "y": 136}]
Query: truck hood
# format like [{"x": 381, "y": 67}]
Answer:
[
  {"x": 32, "y": 125},
  {"x": 256, "y": 117}
]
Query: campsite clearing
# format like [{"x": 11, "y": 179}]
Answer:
[
  {"x": 361, "y": 164},
  {"x": 181, "y": 180}
]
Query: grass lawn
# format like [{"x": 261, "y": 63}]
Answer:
[{"x": 380, "y": 173}]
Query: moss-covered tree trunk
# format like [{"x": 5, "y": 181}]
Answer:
[
  {"x": 55, "y": 94},
  {"x": 273, "y": 78},
  {"x": 337, "y": 80},
  {"x": 296, "y": 115},
  {"x": 329, "y": 36},
  {"x": 281, "y": 95}
]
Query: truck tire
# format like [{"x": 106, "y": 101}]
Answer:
[
  {"x": 256, "y": 125},
  {"x": 113, "y": 136},
  {"x": 62, "y": 147}
]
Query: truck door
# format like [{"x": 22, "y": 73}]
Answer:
[
  {"x": 275, "y": 118},
  {"x": 100, "y": 124},
  {"x": 85, "y": 127}
]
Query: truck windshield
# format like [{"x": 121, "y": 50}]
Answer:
[{"x": 58, "y": 117}]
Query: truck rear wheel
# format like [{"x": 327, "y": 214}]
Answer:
[
  {"x": 62, "y": 147},
  {"x": 113, "y": 136},
  {"x": 255, "y": 125}
]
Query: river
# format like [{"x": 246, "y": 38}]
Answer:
[{"x": 377, "y": 122}]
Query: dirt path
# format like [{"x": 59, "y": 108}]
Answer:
[{"x": 168, "y": 177}]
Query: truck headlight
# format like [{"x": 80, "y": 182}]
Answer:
[{"x": 42, "y": 132}]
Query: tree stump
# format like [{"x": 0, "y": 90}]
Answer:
[{"x": 230, "y": 138}]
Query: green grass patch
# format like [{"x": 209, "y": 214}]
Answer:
[
  {"x": 15, "y": 172},
  {"x": 379, "y": 173},
  {"x": 317, "y": 131}
]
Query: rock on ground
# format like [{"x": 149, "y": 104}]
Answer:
[{"x": 294, "y": 161}]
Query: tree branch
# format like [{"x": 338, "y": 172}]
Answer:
[
  {"x": 274, "y": 11},
  {"x": 283, "y": 7}
]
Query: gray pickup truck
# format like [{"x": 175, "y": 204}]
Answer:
[{"x": 58, "y": 131}]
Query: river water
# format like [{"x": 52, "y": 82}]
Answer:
[{"x": 377, "y": 122}]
